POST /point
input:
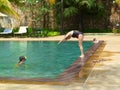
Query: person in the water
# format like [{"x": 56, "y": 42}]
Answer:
[
  {"x": 75, "y": 34},
  {"x": 22, "y": 59}
]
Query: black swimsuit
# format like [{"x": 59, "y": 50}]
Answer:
[{"x": 76, "y": 34}]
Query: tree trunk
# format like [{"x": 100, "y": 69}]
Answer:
[{"x": 81, "y": 24}]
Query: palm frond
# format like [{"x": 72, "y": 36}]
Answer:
[
  {"x": 87, "y": 3},
  {"x": 70, "y": 11},
  {"x": 100, "y": 6},
  {"x": 6, "y": 7}
]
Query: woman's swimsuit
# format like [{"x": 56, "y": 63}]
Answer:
[{"x": 76, "y": 34}]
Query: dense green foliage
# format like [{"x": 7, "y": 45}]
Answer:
[
  {"x": 92, "y": 9},
  {"x": 79, "y": 9}
]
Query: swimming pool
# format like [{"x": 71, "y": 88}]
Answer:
[{"x": 45, "y": 59}]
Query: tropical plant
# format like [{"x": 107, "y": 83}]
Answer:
[
  {"x": 6, "y": 7},
  {"x": 38, "y": 17},
  {"x": 79, "y": 8}
]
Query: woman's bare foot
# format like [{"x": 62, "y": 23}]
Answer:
[{"x": 82, "y": 56}]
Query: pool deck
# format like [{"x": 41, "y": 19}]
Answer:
[{"x": 104, "y": 75}]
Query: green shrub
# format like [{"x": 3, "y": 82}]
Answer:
[
  {"x": 49, "y": 32},
  {"x": 15, "y": 29},
  {"x": 118, "y": 30},
  {"x": 1, "y": 29},
  {"x": 53, "y": 33},
  {"x": 29, "y": 30}
]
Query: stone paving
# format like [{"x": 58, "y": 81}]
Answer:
[{"x": 105, "y": 75}]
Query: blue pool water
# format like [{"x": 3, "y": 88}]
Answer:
[{"x": 45, "y": 59}]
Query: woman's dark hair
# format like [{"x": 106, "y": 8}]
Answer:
[{"x": 22, "y": 58}]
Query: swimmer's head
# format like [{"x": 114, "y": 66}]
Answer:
[{"x": 21, "y": 58}]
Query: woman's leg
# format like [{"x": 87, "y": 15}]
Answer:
[{"x": 80, "y": 40}]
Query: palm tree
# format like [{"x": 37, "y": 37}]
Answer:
[
  {"x": 80, "y": 7},
  {"x": 6, "y": 7}
]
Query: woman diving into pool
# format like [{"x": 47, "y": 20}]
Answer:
[{"x": 75, "y": 34}]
